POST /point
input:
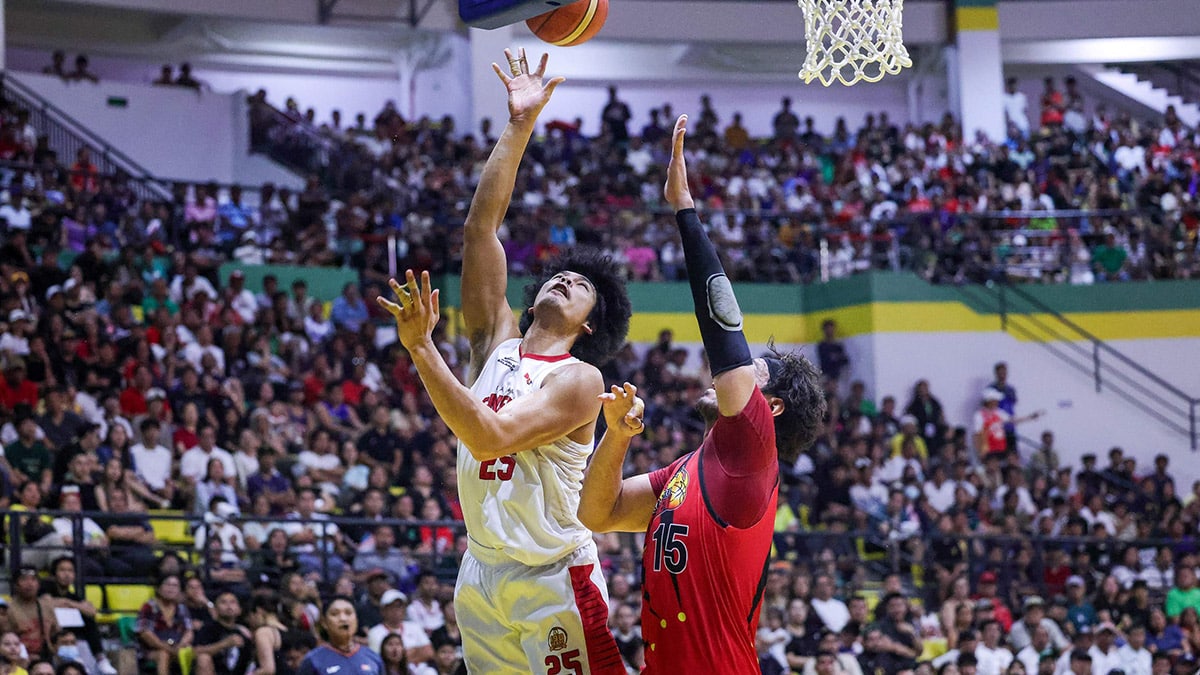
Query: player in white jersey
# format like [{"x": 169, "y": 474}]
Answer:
[{"x": 530, "y": 596}]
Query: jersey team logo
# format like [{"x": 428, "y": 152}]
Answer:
[
  {"x": 675, "y": 492},
  {"x": 557, "y": 639}
]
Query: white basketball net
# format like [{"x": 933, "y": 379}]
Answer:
[{"x": 852, "y": 40}]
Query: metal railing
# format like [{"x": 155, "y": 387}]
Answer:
[
  {"x": 67, "y": 136},
  {"x": 1024, "y": 314}
]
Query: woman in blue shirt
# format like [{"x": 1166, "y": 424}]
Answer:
[{"x": 340, "y": 653}]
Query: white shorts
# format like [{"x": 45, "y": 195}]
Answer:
[{"x": 548, "y": 620}]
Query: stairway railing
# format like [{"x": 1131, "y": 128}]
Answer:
[{"x": 67, "y": 136}]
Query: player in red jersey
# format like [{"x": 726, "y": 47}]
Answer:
[{"x": 709, "y": 516}]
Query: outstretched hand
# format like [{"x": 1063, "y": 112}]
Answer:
[
  {"x": 623, "y": 410},
  {"x": 677, "y": 192},
  {"x": 527, "y": 94},
  {"x": 417, "y": 311}
]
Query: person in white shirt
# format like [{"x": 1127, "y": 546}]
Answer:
[
  {"x": 240, "y": 298},
  {"x": 425, "y": 610},
  {"x": 1135, "y": 658},
  {"x": 939, "y": 490},
  {"x": 183, "y": 286},
  {"x": 246, "y": 457},
  {"x": 194, "y": 352},
  {"x": 832, "y": 612},
  {"x": 991, "y": 657},
  {"x": 392, "y": 606},
  {"x": 153, "y": 461},
  {"x": 1104, "y": 653},
  {"x": 1031, "y": 655},
  {"x": 193, "y": 465},
  {"x": 16, "y": 340},
  {"x": 1016, "y": 107}
]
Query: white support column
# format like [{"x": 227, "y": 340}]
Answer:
[{"x": 980, "y": 69}]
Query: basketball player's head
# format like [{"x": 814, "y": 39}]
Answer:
[
  {"x": 792, "y": 386},
  {"x": 582, "y": 292}
]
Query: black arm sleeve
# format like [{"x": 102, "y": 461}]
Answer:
[{"x": 717, "y": 311}]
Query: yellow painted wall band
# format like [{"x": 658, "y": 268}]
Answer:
[{"x": 977, "y": 18}]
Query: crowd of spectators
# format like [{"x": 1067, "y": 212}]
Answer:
[{"x": 136, "y": 376}]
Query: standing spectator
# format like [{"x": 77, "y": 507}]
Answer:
[
  {"x": 927, "y": 409},
  {"x": 1052, "y": 106},
  {"x": 81, "y": 72},
  {"x": 58, "y": 64},
  {"x": 164, "y": 626},
  {"x": 831, "y": 354},
  {"x": 785, "y": 123},
  {"x": 615, "y": 117},
  {"x": 1016, "y": 110},
  {"x": 990, "y": 424},
  {"x": 166, "y": 76},
  {"x": 186, "y": 79},
  {"x": 1008, "y": 404}
]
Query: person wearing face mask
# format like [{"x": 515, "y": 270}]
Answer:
[{"x": 71, "y": 649}]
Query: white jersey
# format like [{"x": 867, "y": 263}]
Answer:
[{"x": 523, "y": 505}]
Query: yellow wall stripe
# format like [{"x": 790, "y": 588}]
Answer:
[
  {"x": 583, "y": 25},
  {"x": 920, "y": 317},
  {"x": 977, "y": 18}
]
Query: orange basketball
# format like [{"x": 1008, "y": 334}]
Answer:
[{"x": 572, "y": 24}]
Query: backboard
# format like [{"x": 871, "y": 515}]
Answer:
[{"x": 496, "y": 13}]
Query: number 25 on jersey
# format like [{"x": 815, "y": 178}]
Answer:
[{"x": 500, "y": 468}]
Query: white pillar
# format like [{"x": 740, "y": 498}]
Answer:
[
  {"x": 488, "y": 98},
  {"x": 978, "y": 69}
]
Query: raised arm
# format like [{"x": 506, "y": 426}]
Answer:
[
  {"x": 486, "y": 314},
  {"x": 565, "y": 403},
  {"x": 717, "y": 310},
  {"x": 607, "y": 503}
]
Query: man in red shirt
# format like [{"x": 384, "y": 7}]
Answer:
[
  {"x": 709, "y": 516},
  {"x": 14, "y": 388}
]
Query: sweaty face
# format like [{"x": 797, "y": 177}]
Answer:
[{"x": 568, "y": 294}]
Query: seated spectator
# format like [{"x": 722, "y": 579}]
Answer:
[
  {"x": 224, "y": 645},
  {"x": 99, "y": 561},
  {"x": 215, "y": 485},
  {"x": 393, "y": 605},
  {"x": 29, "y": 616},
  {"x": 61, "y": 591},
  {"x": 425, "y": 610},
  {"x": 1034, "y": 615},
  {"x": 316, "y": 542},
  {"x": 164, "y": 625},
  {"x": 186, "y": 79},
  {"x": 130, "y": 535},
  {"x": 381, "y": 553}
]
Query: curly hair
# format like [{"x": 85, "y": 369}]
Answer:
[
  {"x": 799, "y": 384},
  {"x": 609, "y": 318}
]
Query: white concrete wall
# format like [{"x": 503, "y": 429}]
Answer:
[
  {"x": 174, "y": 133},
  {"x": 958, "y": 367}
]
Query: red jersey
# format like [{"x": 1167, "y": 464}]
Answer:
[{"x": 704, "y": 577}]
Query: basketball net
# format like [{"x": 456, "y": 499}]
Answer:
[{"x": 853, "y": 40}]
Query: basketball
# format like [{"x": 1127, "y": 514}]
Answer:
[{"x": 571, "y": 25}]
